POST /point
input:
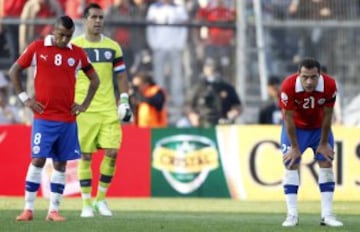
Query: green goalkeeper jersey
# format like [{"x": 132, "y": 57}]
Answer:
[{"x": 107, "y": 58}]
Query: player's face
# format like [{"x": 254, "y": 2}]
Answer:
[
  {"x": 95, "y": 21},
  {"x": 62, "y": 36},
  {"x": 309, "y": 78}
]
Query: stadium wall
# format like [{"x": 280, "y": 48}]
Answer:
[{"x": 241, "y": 162}]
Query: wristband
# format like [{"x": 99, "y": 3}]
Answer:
[
  {"x": 124, "y": 98},
  {"x": 23, "y": 97}
]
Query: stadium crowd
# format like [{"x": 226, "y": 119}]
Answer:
[
  {"x": 157, "y": 64},
  {"x": 172, "y": 55}
]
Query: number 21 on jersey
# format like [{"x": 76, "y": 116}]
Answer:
[{"x": 309, "y": 103}]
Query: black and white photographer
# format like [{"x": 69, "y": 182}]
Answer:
[{"x": 212, "y": 101}]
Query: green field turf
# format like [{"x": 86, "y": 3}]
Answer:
[{"x": 178, "y": 214}]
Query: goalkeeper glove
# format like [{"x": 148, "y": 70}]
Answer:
[{"x": 124, "y": 110}]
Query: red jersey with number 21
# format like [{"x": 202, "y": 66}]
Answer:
[
  {"x": 55, "y": 76},
  {"x": 307, "y": 107}
]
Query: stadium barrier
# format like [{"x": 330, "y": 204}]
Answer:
[{"x": 242, "y": 162}]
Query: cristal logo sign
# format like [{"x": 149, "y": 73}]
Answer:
[{"x": 185, "y": 160}]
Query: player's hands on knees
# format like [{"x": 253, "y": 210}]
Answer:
[
  {"x": 34, "y": 105},
  {"x": 291, "y": 156},
  {"x": 326, "y": 151},
  {"x": 124, "y": 110},
  {"x": 76, "y": 109}
]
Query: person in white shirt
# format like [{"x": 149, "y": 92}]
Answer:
[{"x": 167, "y": 44}]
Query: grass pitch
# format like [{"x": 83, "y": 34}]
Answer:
[{"x": 177, "y": 214}]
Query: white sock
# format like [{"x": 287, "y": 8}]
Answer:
[
  {"x": 57, "y": 178},
  {"x": 291, "y": 178},
  {"x": 326, "y": 175},
  {"x": 34, "y": 176},
  {"x": 85, "y": 196}
]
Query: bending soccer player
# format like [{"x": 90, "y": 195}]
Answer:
[
  {"x": 307, "y": 100},
  {"x": 99, "y": 125},
  {"x": 54, "y": 129}
]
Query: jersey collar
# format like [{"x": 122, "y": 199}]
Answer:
[
  {"x": 48, "y": 41},
  {"x": 319, "y": 87},
  {"x": 101, "y": 38}
]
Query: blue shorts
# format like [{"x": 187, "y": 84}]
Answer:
[
  {"x": 56, "y": 140},
  {"x": 306, "y": 139}
]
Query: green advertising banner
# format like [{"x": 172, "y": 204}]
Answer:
[{"x": 186, "y": 162}]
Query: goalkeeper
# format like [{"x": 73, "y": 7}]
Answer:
[{"x": 99, "y": 125}]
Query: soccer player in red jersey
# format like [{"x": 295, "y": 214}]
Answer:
[
  {"x": 54, "y": 130},
  {"x": 307, "y": 100}
]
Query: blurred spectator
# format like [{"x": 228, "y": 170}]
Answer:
[
  {"x": 212, "y": 101},
  {"x": 37, "y": 9},
  {"x": 323, "y": 9},
  {"x": 120, "y": 11},
  {"x": 103, "y": 3},
  {"x": 10, "y": 33},
  {"x": 313, "y": 9},
  {"x": 193, "y": 57},
  {"x": 278, "y": 38},
  {"x": 139, "y": 46},
  {"x": 219, "y": 41},
  {"x": 167, "y": 44},
  {"x": 73, "y": 8},
  {"x": 9, "y": 114},
  {"x": 148, "y": 99},
  {"x": 312, "y": 40},
  {"x": 270, "y": 112}
]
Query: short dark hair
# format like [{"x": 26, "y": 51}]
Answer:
[
  {"x": 90, "y": 6},
  {"x": 65, "y": 21},
  {"x": 309, "y": 63}
]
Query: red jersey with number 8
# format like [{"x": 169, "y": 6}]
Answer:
[{"x": 55, "y": 76}]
